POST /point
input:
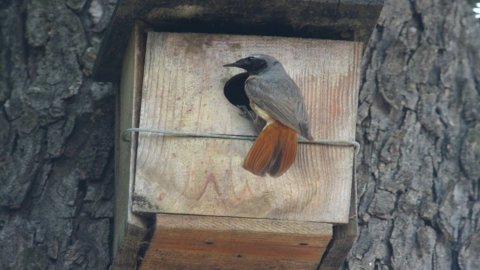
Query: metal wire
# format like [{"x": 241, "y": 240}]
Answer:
[{"x": 174, "y": 133}]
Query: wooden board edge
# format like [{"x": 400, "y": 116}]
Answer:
[
  {"x": 344, "y": 235},
  {"x": 126, "y": 257},
  {"x": 129, "y": 229}
]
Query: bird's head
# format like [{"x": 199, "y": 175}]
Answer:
[{"x": 254, "y": 63}]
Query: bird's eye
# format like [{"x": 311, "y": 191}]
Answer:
[{"x": 250, "y": 58}]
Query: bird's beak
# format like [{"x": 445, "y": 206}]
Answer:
[{"x": 231, "y": 65}]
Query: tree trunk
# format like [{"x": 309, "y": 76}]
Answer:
[
  {"x": 56, "y": 137},
  {"x": 418, "y": 124}
]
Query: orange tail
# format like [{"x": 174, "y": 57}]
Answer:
[{"x": 273, "y": 152}]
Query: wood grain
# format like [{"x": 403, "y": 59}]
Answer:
[
  {"x": 129, "y": 229},
  {"x": 183, "y": 90},
  {"x": 200, "y": 242}
]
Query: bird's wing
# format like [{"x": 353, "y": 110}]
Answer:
[{"x": 281, "y": 99}]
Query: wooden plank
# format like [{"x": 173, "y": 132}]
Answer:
[
  {"x": 326, "y": 19},
  {"x": 129, "y": 228},
  {"x": 343, "y": 237},
  {"x": 182, "y": 91},
  {"x": 202, "y": 242}
]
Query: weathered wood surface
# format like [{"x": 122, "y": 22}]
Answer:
[
  {"x": 183, "y": 90},
  {"x": 343, "y": 237},
  {"x": 327, "y": 19},
  {"x": 200, "y": 242},
  {"x": 129, "y": 229}
]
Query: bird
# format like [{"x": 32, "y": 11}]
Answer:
[{"x": 275, "y": 98}]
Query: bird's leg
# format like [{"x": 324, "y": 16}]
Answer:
[
  {"x": 258, "y": 122},
  {"x": 245, "y": 112}
]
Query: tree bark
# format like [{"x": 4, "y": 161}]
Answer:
[
  {"x": 56, "y": 137},
  {"x": 418, "y": 124}
]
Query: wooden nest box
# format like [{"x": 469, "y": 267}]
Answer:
[{"x": 186, "y": 202}]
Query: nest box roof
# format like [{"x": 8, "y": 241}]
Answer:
[{"x": 326, "y": 19}]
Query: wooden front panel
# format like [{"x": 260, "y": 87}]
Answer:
[{"x": 183, "y": 90}]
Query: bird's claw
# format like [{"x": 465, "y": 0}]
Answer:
[
  {"x": 246, "y": 113},
  {"x": 258, "y": 123}
]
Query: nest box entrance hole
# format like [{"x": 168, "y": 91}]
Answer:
[{"x": 234, "y": 90}]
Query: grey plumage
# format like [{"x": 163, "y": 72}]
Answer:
[
  {"x": 274, "y": 97},
  {"x": 272, "y": 89}
]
